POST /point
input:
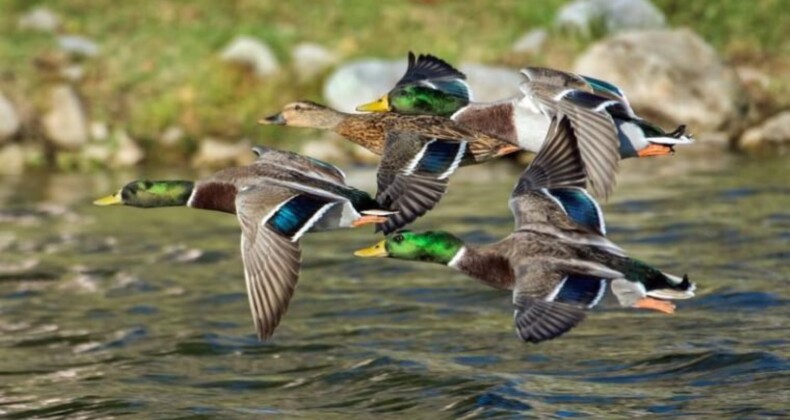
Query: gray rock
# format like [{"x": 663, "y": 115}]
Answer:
[
  {"x": 97, "y": 152},
  {"x": 771, "y": 136},
  {"x": 491, "y": 83},
  {"x": 65, "y": 124},
  {"x": 9, "y": 119},
  {"x": 583, "y": 16},
  {"x": 172, "y": 136},
  {"x": 78, "y": 45},
  {"x": 213, "y": 153},
  {"x": 531, "y": 42},
  {"x": 365, "y": 80},
  {"x": 310, "y": 60},
  {"x": 127, "y": 151},
  {"x": 361, "y": 81},
  {"x": 672, "y": 76},
  {"x": 251, "y": 52},
  {"x": 99, "y": 131},
  {"x": 39, "y": 19}
]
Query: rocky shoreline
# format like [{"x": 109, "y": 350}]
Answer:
[{"x": 671, "y": 75}]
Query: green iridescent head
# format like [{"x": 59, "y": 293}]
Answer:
[
  {"x": 417, "y": 99},
  {"x": 432, "y": 246},
  {"x": 150, "y": 194}
]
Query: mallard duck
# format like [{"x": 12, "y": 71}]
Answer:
[
  {"x": 558, "y": 260},
  {"x": 598, "y": 111},
  {"x": 418, "y": 152},
  {"x": 277, "y": 199}
]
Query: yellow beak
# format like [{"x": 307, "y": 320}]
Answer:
[
  {"x": 378, "y": 250},
  {"x": 110, "y": 200},
  {"x": 380, "y": 105}
]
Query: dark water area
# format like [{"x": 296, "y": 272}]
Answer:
[{"x": 114, "y": 311}]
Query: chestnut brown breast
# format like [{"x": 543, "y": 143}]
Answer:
[{"x": 217, "y": 196}]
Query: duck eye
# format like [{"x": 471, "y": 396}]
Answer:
[
  {"x": 398, "y": 238},
  {"x": 297, "y": 108}
]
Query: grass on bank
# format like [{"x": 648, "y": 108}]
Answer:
[{"x": 159, "y": 63}]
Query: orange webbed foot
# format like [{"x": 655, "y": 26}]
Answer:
[
  {"x": 367, "y": 220},
  {"x": 655, "y": 149},
  {"x": 506, "y": 150},
  {"x": 656, "y": 305}
]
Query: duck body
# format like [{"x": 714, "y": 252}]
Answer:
[
  {"x": 418, "y": 152},
  {"x": 371, "y": 130},
  {"x": 606, "y": 124},
  {"x": 277, "y": 199},
  {"x": 557, "y": 261}
]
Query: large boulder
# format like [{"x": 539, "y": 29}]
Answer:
[
  {"x": 771, "y": 136},
  {"x": 364, "y": 80},
  {"x": 9, "y": 119},
  {"x": 672, "y": 76},
  {"x": 609, "y": 16},
  {"x": 310, "y": 60},
  {"x": 253, "y": 53},
  {"x": 66, "y": 124},
  {"x": 491, "y": 83},
  {"x": 361, "y": 81},
  {"x": 531, "y": 42}
]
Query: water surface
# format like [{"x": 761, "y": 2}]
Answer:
[{"x": 112, "y": 311}]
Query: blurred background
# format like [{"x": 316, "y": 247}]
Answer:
[
  {"x": 102, "y": 84},
  {"x": 116, "y": 311}
]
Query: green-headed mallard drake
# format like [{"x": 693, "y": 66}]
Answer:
[
  {"x": 558, "y": 260},
  {"x": 418, "y": 152},
  {"x": 277, "y": 199},
  {"x": 598, "y": 111}
]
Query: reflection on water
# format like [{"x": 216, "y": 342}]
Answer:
[{"x": 112, "y": 311}]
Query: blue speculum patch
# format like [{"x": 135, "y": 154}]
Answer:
[{"x": 293, "y": 215}]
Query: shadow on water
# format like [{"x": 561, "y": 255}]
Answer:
[{"x": 105, "y": 312}]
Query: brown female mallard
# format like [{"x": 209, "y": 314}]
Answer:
[{"x": 418, "y": 152}]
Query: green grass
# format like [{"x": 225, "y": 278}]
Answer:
[{"x": 159, "y": 64}]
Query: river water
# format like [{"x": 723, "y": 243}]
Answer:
[{"x": 113, "y": 311}]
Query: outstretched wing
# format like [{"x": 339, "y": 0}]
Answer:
[
  {"x": 304, "y": 164},
  {"x": 551, "y": 296},
  {"x": 558, "y": 164},
  {"x": 413, "y": 175},
  {"x": 593, "y": 128},
  {"x": 563, "y": 79},
  {"x": 273, "y": 219}
]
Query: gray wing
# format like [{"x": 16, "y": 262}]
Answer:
[
  {"x": 413, "y": 175},
  {"x": 551, "y": 296},
  {"x": 557, "y": 165},
  {"x": 271, "y": 261},
  {"x": 574, "y": 81},
  {"x": 554, "y": 77},
  {"x": 305, "y": 164},
  {"x": 594, "y": 129}
]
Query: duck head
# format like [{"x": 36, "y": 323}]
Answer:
[
  {"x": 305, "y": 114},
  {"x": 431, "y": 246},
  {"x": 144, "y": 193}
]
